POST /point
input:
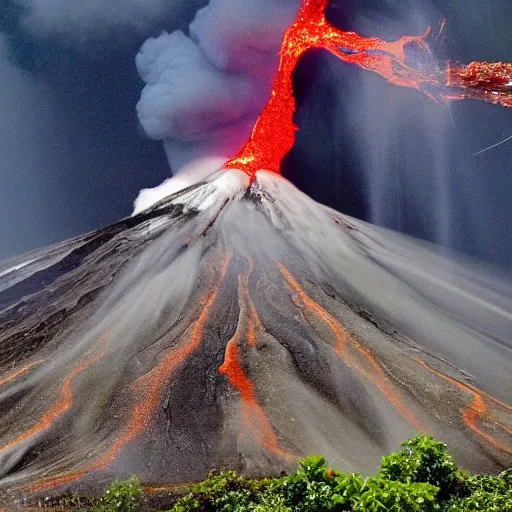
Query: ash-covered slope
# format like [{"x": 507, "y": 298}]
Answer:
[{"x": 244, "y": 326}]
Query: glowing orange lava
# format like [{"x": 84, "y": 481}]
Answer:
[
  {"x": 19, "y": 372},
  {"x": 273, "y": 134},
  {"x": 374, "y": 373},
  {"x": 254, "y": 419},
  {"x": 62, "y": 405},
  {"x": 476, "y": 411},
  {"x": 148, "y": 391}
]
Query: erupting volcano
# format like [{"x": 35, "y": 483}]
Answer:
[{"x": 239, "y": 324}]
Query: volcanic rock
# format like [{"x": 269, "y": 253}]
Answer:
[{"x": 242, "y": 325}]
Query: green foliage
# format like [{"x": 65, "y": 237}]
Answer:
[
  {"x": 269, "y": 502},
  {"x": 377, "y": 495},
  {"x": 223, "y": 491},
  {"x": 424, "y": 460},
  {"x": 485, "y": 492},
  {"x": 422, "y": 477},
  {"x": 313, "y": 488},
  {"x": 121, "y": 496}
]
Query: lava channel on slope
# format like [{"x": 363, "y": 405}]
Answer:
[{"x": 184, "y": 340}]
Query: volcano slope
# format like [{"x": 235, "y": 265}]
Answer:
[{"x": 243, "y": 326}]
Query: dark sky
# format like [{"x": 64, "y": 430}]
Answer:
[{"x": 73, "y": 157}]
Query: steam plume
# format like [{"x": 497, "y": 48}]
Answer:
[{"x": 204, "y": 91}]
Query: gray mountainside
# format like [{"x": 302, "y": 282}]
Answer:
[{"x": 244, "y": 326}]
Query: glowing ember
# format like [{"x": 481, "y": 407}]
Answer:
[{"x": 273, "y": 134}]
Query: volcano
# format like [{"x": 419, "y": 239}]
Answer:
[{"x": 240, "y": 324}]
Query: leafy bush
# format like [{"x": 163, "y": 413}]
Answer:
[
  {"x": 313, "y": 488},
  {"x": 485, "y": 492},
  {"x": 269, "y": 502},
  {"x": 424, "y": 460},
  {"x": 377, "y": 494},
  {"x": 223, "y": 491},
  {"x": 121, "y": 496}
]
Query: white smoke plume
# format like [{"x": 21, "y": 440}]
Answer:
[{"x": 204, "y": 91}]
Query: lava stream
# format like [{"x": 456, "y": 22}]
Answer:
[
  {"x": 63, "y": 404},
  {"x": 273, "y": 134},
  {"x": 476, "y": 411},
  {"x": 21, "y": 371},
  {"x": 254, "y": 419},
  {"x": 344, "y": 342}
]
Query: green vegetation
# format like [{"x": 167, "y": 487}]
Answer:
[
  {"x": 422, "y": 477},
  {"x": 121, "y": 496}
]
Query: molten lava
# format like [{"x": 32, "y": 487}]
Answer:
[
  {"x": 19, "y": 372},
  {"x": 253, "y": 418},
  {"x": 477, "y": 411},
  {"x": 62, "y": 405},
  {"x": 491, "y": 81},
  {"x": 273, "y": 134}
]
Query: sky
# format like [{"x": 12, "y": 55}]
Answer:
[{"x": 73, "y": 155}]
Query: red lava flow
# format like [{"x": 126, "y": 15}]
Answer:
[
  {"x": 375, "y": 374},
  {"x": 476, "y": 411},
  {"x": 62, "y": 405},
  {"x": 273, "y": 134},
  {"x": 491, "y": 81},
  {"x": 254, "y": 420},
  {"x": 19, "y": 372}
]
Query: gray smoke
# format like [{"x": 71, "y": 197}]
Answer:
[
  {"x": 205, "y": 90},
  {"x": 67, "y": 90}
]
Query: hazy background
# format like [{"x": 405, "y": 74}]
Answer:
[{"x": 73, "y": 157}]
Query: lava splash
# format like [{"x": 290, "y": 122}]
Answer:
[
  {"x": 273, "y": 134},
  {"x": 183, "y": 340}
]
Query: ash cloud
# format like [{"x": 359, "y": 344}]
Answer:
[{"x": 205, "y": 90}]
